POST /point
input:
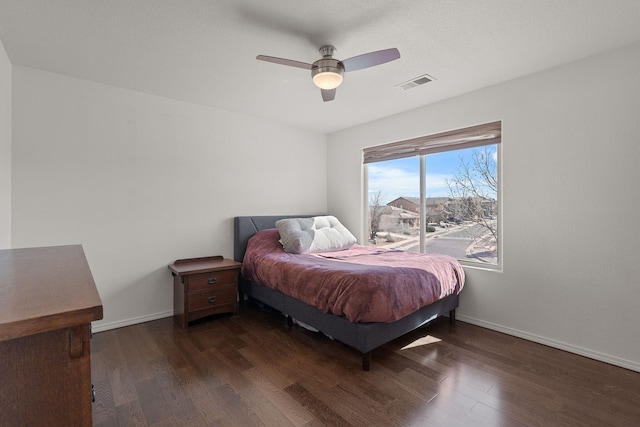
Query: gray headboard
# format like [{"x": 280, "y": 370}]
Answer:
[{"x": 246, "y": 226}]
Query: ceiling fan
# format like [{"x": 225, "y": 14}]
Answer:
[{"x": 327, "y": 72}]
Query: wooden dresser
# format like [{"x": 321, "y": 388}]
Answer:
[
  {"x": 48, "y": 300},
  {"x": 204, "y": 286}
]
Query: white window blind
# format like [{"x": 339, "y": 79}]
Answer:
[{"x": 473, "y": 136}]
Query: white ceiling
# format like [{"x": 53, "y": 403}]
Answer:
[{"x": 203, "y": 51}]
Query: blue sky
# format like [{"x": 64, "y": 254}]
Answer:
[{"x": 396, "y": 178}]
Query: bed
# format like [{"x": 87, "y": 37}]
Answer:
[{"x": 363, "y": 336}]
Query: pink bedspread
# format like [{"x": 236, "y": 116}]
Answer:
[{"x": 364, "y": 284}]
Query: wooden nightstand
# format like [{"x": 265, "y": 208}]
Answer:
[{"x": 204, "y": 286}]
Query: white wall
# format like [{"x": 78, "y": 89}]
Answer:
[
  {"x": 5, "y": 149},
  {"x": 141, "y": 181},
  {"x": 570, "y": 169}
]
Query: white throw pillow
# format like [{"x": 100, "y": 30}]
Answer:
[{"x": 315, "y": 234}]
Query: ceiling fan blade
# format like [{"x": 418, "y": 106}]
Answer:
[
  {"x": 283, "y": 61},
  {"x": 328, "y": 94},
  {"x": 370, "y": 59}
]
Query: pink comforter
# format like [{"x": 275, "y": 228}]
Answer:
[{"x": 364, "y": 284}]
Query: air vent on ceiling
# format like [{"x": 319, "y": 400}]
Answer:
[{"x": 418, "y": 81}]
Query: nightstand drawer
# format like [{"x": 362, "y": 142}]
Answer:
[
  {"x": 221, "y": 295},
  {"x": 211, "y": 280}
]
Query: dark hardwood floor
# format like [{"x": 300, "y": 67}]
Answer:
[{"x": 251, "y": 369}]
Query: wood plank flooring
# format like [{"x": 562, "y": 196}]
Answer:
[{"x": 253, "y": 370}]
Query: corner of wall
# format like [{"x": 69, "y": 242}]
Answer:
[{"x": 5, "y": 149}]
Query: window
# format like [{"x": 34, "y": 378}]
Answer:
[{"x": 437, "y": 193}]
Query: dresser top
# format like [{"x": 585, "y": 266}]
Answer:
[{"x": 44, "y": 289}]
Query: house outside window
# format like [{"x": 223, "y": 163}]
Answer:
[{"x": 438, "y": 194}]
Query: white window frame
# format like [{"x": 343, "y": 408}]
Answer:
[{"x": 474, "y": 136}]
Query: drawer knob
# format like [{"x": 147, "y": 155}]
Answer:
[
  {"x": 213, "y": 298},
  {"x": 212, "y": 280}
]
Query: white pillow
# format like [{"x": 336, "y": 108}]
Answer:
[{"x": 315, "y": 234}]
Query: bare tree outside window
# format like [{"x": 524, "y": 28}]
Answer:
[
  {"x": 475, "y": 188},
  {"x": 376, "y": 209}
]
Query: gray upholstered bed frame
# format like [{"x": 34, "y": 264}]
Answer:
[{"x": 364, "y": 337}]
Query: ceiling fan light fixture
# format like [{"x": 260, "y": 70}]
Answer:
[
  {"x": 327, "y": 73},
  {"x": 328, "y": 80}
]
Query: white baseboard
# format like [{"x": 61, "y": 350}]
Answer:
[
  {"x": 634, "y": 366},
  {"x": 100, "y": 327}
]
